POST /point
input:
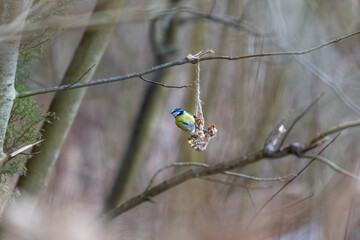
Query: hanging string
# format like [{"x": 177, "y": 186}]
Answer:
[
  {"x": 198, "y": 102},
  {"x": 202, "y": 136}
]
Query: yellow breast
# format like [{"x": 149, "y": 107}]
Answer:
[{"x": 186, "y": 122}]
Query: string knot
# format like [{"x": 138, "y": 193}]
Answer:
[{"x": 196, "y": 58}]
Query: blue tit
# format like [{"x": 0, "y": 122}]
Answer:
[{"x": 184, "y": 120}]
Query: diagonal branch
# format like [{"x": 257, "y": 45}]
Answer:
[
  {"x": 177, "y": 62},
  {"x": 333, "y": 166},
  {"x": 197, "y": 164},
  {"x": 206, "y": 170},
  {"x": 188, "y": 175},
  {"x": 333, "y": 130},
  {"x": 301, "y": 115}
]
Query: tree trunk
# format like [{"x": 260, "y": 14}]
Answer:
[
  {"x": 9, "y": 13},
  {"x": 131, "y": 160},
  {"x": 66, "y": 103}
]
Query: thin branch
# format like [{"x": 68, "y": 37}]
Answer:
[
  {"x": 162, "y": 84},
  {"x": 181, "y": 164},
  {"x": 29, "y": 154},
  {"x": 103, "y": 80},
  {"x": 336, "y": 129},
  {"x": 301, "y": 115},
  {"x": 241, "y": 24},
  {"x": 234, "y": 185},
  {"x": 38, "y": 44},
  {"x": 231, "y": 183},
  {"x": 177, "y": 62},
  {"x": 348, "y": 219},
  {"x": 290, "y": 205},
  {"x": 31, "y": 126},
  {"x": 251, "y": 199},
  {"x": 197, "y": 164},
  {"x": 235, "y": 174},
  {"x": 81, "y": 77},
  {"x": 333, "y": 166}
]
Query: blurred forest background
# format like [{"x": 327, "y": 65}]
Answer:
[{"x": 123, "y": 132}]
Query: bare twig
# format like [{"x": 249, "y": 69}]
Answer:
[
  {"x": 181, "y": 61},
  {"x": 29, "y": 154},
  {"x": 234, "y": 184},
  {"x": 348, "y": 219},
  {"x": 240, "y": 24},
  {"x": 235, "y": 174},
  {"x": 86, "y": 72},
  {"x": 103, "y": 80},
  {"x": 197, "y": 164},
  {"x": 223, "y": 182},
  {"x": 181, "y": 164},
  {"x": 333, "y": 130},
  {"x": 38, "y": 44},
  {"x": 31, "y": 126},
  {"x": 162, "y": 84},
  {"x": 290, "y": 205},
  {"x": 301, "y": 115},
  {"x": 333, "y": 166}
]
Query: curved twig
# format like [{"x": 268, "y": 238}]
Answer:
[
  {"x": 197, "y": 164},
  {"x": 333, "y": 166},
  {"x": 163, "y": 85}
]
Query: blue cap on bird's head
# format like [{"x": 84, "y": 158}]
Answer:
[{"x": 177, "y": 112}]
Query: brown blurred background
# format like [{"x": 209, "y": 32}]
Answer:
[{"x": 245, "y": 99}]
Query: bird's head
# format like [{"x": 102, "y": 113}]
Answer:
[{"x": 177, "y": 112}]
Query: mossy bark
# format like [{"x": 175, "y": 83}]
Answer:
[{"x": 9, "y": 11}]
